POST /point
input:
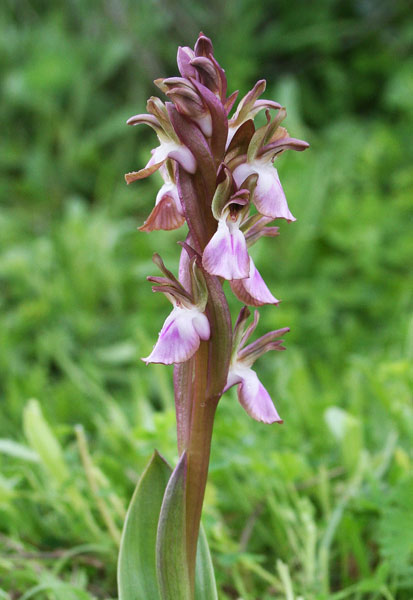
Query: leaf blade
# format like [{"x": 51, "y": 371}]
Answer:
[
  {"x": 137, "y": 578},
  {"x": 205, "y": 586},
  {"x": 171, "y": 560}
]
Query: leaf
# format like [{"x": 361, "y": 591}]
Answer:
[
  {"x": 137, "y": 578},
  {"x": 173, "y": 577},
  {"x": 395, "y": 531},
  {"x": 17, "y": 450},
  {"x": 44, "y": 442},
  {"x": 205, "y": 586}
]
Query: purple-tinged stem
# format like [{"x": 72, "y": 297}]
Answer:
[{"x": 198, "y": 453}]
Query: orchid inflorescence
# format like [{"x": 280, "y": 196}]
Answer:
[{"x": 219, "y": 178}]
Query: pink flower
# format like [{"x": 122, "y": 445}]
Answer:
[
  {"x": 249, "y": 107},
  {"x": 167, "y": 213},
  {"x": 187, "y": 324},
  {"x": 269, "y": 197},
  {"x": 265, "y": 145},
  {"x": 180, "y": 336},
  {"x": 252, "y": 395},
  {"x": 170, "y": 146},
  {"x": 226, "y": 254}
]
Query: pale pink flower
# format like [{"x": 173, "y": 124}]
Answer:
[{"x": 252, "y": 395}]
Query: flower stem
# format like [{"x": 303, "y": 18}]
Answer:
[{"x": 198, "y": 453}]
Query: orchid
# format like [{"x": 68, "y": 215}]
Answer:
[
  {"x": 169, "y": 146},
  {"x": 252, "y": 395},
  {"x": 219, "y": 179},
  {"x": 266, "y": 144},
  {"x": 187, "y": 324},
  {"x": 167, "y": 213}
]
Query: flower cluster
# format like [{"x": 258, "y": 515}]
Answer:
[{"x": 219, "y": 178}]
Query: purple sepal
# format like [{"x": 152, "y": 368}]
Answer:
[
  {"x": 184, "y": 274},
  {"x": 253, "y": 290},
  {"x": 180, "y": 336},
  {"x": 219, "y": 120},
  {"x": 252, "y": 395},
  {"x": 192, "y": 138},
  {"x": 184, "y": 57},
  {"x": 226, "y": 254}
]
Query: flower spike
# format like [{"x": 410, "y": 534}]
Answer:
[{"x": 219, "y": 178}]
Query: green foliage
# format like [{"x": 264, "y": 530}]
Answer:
[{"x": 319, "y": 508}]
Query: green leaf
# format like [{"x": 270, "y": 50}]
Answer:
[
  {"x": 137, "y": 560},
  {"x": 171, "y": 560},
  {"x": 16, "y": 450},
  {"x": 44, "y": 442},
  {"x": 137, "y": 576},
  {"x": 205, "y": 586}
]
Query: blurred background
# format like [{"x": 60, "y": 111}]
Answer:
[{"x": 319, "y": 508}]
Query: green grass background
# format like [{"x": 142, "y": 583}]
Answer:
[{"x": 319, "y": 508}]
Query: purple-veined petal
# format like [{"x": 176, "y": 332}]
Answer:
[
  {"x": 226, "y": 254},
  {"x": 269, "y": 197},
  {"x": 253, "y": 290},
  {"x": 179, "y": 337},
  {"x": 252, "y": 395}
]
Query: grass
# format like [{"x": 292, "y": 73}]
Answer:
[{"x": 319, "y": 508}]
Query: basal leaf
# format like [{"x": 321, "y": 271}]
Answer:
[
  {"x": 137, "y": 558},
  {"x": 171, "y": 560},
  {"x": 205, "y": 586}
]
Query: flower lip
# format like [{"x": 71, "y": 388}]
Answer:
[
  {"x": 253, "y": 290},
  {"x": 252, "y": 395},
  {"x": 268, "y": 197},
  {"x": 180, "y": 336},
  {"x": 226, "y": 253}
]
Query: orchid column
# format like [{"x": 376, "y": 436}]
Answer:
[{"x": 220, "y": 180}]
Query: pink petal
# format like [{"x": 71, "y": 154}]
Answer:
[
  {"x": 179, "y": 338},
  {"x": 226, "y": 254},
  {"x": 201, "y": 326},
  {"x": 253, "y": 290},
  {"x": 184, "y": 157},
  {"x": 252, "y": 395},
  {"x": 269, "y": 197}
]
